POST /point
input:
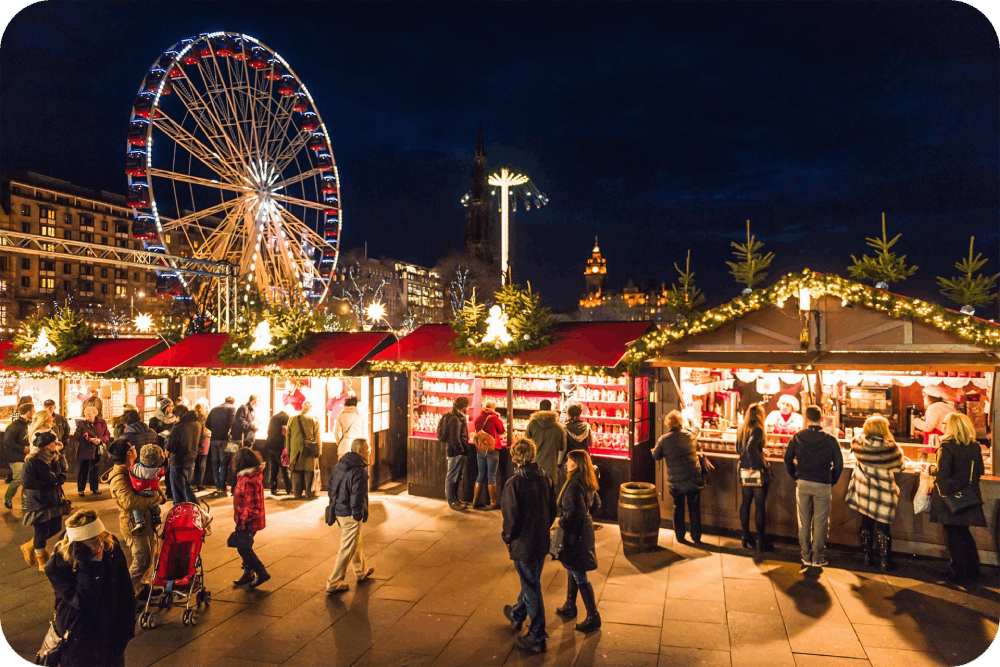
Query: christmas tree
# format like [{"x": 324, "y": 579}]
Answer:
[
  {"x": 885, "y": 266},
  {"x": 684, "y": 297},
  {"x": 968, "y": 289},
  {"x": 749, "y": 269}
]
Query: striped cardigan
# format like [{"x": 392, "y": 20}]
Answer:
[{"x": 872, "y": 490}]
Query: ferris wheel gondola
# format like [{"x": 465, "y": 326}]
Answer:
[{"x": 228, "y": 160}]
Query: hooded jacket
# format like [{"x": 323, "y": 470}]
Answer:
[
  {"x": 549, "y": 437},
  {"x": 248, "y": 499},
  {"x": 528, "y": 505},
  {"x": 814, "y": 455},
  {"x": 184, "y": 440},
  {"x": 577, "y": 435},
  {"x": 348, "y": 487},
  {"x": 220, "y": 421}
]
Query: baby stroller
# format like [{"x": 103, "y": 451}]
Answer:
[{"x": 179, "y": 576}]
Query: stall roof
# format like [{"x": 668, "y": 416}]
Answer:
[
  {"x": 598, "y": 344},
  {"x": 886, "y": 361},
  {"x": 331, "y": 351},
  {"x": 103, "y": 356}
]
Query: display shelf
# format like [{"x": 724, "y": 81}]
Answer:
[
  {"x": 427, "y": 435},
  {"x": 603, "y": 453},
  {"x": 432, "y": 405},
  {"x": 537, "y": 391},
  {"x": 617, "y": 387},
  {"x": 440, "y": 391},
  {"x": 619, "y": 404},
  {"x": 613, "y": 420}
]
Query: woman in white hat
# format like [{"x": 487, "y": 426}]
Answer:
[
  {"x": 95, "y": 602},
  {"x": 786, "y": 420},
  {"x": 937, "y": 407}
]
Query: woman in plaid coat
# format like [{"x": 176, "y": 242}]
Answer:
[
  {"x": 248, "y": 513},
  {"x": 872, "y": 490}
]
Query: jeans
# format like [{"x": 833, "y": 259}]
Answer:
[
  {"x": 180, "y": 481},
  {"x": 529, "y": 602},
  {"x": 220, "y": 463},
  {"x": 45, "y": 530},
  {"x": 488, "y": 466},
  {"x": 200, "y": 465},
  {"x": 16, "y": 470},
  {"x": 273, "y": 468},
  {"x": 693, "y": 501},
  {"x": 580, "y": 577},
  {"x": 813, "y": 502},
  {"x": 87, "y": 471},
  {"x": 351, "y": 551},
  {"x": 455, "y": 464},
  {"x": 244, "y": 548},
  {"x": 758, "y": 496},
  {"x": 963, "y": 551}
]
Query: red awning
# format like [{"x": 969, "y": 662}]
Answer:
[
  {"x": 600, "y": 344},
  {"x": 342, "y": 351},
  {"x": 103, "y": 356}
]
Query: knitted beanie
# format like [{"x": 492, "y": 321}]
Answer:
[{"x": 151, "y": 455}]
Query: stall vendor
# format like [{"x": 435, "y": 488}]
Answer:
[
  {"x": 937, "y": 407},
  {"x": 786, "y": 420}
]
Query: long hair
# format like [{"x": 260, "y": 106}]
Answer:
[
  {"x": 584, "y": 472},
  {"x": 201, "y": 410},
  {"x": 39, "y": 423},
  {"x": 960, "y": 429},
  {"x": 104, "y": 541}
]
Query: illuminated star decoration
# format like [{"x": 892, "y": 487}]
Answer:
[
  {"x": 42, "y": 346},
  {"x": 375, "y": 311},
  {"x": 143, "y": 323},
  {"x": 496, "y": 328},
  {"x": 261, "y": 338}
]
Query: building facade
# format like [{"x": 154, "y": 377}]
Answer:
[
  {"x": 629, "y": 304},
  {"x": 423, "y": 290},
  {"x": 29, "y": 284}
]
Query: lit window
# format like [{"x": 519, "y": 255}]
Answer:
[
  {"x": 47, "y": 284},
  {"x": 48, "y": 230},
  {"x": 120, "y": 290},
  {"x": 380, "y": 404}
]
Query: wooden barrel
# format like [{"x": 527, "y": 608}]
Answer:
[{"x": 638, "y": 516}]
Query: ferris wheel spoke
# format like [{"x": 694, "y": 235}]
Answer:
[
  {"x": 285, "y": 199},
  {"x": 212, "y": 130},
  {"x": 207, "y": 156},
  {"x": 195, "y": 180},
  {"x": 192, "y": 218},
  {"x": 296, "y": 179},
  {"x": 278, "y": 132},
  {"x": 212, "y": 90},
  {"x": 283, "y": 159},
  {"x": 230, "y": 94},
  {"x": 305, "y": 232}
]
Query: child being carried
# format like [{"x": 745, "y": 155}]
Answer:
[{"x": 145, "y": 477}]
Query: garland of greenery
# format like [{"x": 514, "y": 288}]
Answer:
[
  {"x": 290, "y": 329},
  {"x": 528, "y": 323},
  {"x": 972, "y": 329},
  {"x": 68, "y": 332}
]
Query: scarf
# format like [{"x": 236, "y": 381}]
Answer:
[
  {"x": 579, "y": 430},
  {"x": 164, "y": 417}
]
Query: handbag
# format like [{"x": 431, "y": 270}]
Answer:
[
  {"x": 922, "y": 498},
  {"x": 484, "y": 442},
  {"x": 706, "y": 467},
  {"x": 50, "y": 652},
  {"x": 232, "y": 447},
  {"x": 556, "y": 543},
  {"x": 751, "y": 477},
  {"x": 963, "y": 499},
  {"x": 310, "y": 448}
]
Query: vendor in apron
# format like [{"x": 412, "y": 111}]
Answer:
[
  {"x": 786, "y": 420},
  {"x": 937, "y": 407}
]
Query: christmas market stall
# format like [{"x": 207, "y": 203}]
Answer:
[
  {"x": 579, "y": 363},
  {"x": 330, "y": 370},
  {"x": 854, "y": 350}
]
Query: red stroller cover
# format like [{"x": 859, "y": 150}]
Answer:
[{"x": 183, "y": 533}]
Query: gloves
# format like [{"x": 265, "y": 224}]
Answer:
[{"x": 60, "y": 478}]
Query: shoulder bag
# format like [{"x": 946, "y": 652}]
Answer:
[
  {"x": 963, "y": 499},
  {"x": 310, "y": 447},
  {"x": 484, "y": 442},
  {"x": 749, "y": 476},
  {"x": 50, "y": 652}
]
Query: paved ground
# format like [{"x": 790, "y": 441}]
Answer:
[{"x": 443, "y": 577}]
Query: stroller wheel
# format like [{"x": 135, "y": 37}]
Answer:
[
  {"x": 151, "y": 622},
  {"x": 203, "y": 597},
  {"x": 143, "y": 617},
  {"x": 186, "y": 617}
]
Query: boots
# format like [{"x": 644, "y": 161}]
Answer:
[
  {"x": 867, "y": 545},
  {"x": 245, "y": 579},
  {"x": 885, "y": 561},
  {"x": 568, "y": 610},
  {"x": 494, "y": 502},
  {"x": 593, "y": 620},
  {"x": 475, "y": 494},
  {"x": 42, "y": 557},
  {"x": 749, "y": 542},
  {"x": 28, "y": 551}
]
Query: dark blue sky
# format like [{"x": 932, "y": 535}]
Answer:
[{"x": 660, "y": 127}]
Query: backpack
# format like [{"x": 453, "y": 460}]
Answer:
[{"x": 442, "y": 427}]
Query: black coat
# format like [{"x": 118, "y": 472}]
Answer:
[
  {"x": 578, "y": 528},
  {"x": 955, "y": 462},
  {"x": 814, "y": 455},
  {"x": 275, "y": 441},
  {"x": 348, "y": 487},
  {"x": 139, "y": 435},
  {"x": 220, "y": 421},
  {"x": 96, "y": 603},
  {"x": 750, "y": 447},
  {"x": 528, "y": 504},
  {"x": 15, "y": 439},
  {"x": 42, "y": 484},
  {"x": 680, "y": 450},
  {"x": 456, "y": 433},
  {"x": 184, "y": 440},
  {"x": 244, "y": 431}
]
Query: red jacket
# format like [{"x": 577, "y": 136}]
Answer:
[
  {"x": 491, "y": 423},
  {"x": 248, "y": 500}
]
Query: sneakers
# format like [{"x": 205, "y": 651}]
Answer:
[
  {"x": 529, "y": 644},
  {"x": 367, "y": 573},
  {"x": 508, "y": 612},
  {"x": 338, "y": 588},
  {"x": 822, "y": 562},
  {"x": 261, "y": 578}
]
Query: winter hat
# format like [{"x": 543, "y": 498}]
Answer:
[
  {"x": 164, "y": 404},
  {"x": 151, "y": 455},
  {"x": 44, "y": 438}
]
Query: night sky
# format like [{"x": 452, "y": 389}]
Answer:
[{"x": 659, "y": 127}]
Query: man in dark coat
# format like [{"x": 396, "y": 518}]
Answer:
[
  {"x": 61, "y": 424},
  {"x": 813, "y": 459},
  {"x": 528, "y": 505},
  {"x": 453, "y": 431},
  {"x": 182, "y": 445},
  {"x": 220, "y": 424},
  {"x": 15, "y": 447},
  {"x": 273, "y": 446},
  {"x": 245, "y": 423},
  {"x": 348, "y": 490},
  {"x": 679, "y": 449}
]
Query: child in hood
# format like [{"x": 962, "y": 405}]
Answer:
[{"x": 145, "y": 477}]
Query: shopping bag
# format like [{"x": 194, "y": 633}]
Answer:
[{"x": 922, "y": 498}]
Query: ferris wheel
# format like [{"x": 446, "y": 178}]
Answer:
[{"x": 228, "y": 160}]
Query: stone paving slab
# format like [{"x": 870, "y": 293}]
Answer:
[{"x": 442, "y": 578}]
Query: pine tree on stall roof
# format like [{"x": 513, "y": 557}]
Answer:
[
  {"x": 968, "y": 289},
  {"x": 750, "y": 266},
  {"x": 885, "y": 266},
  {"x": 685, "y": 299}
]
